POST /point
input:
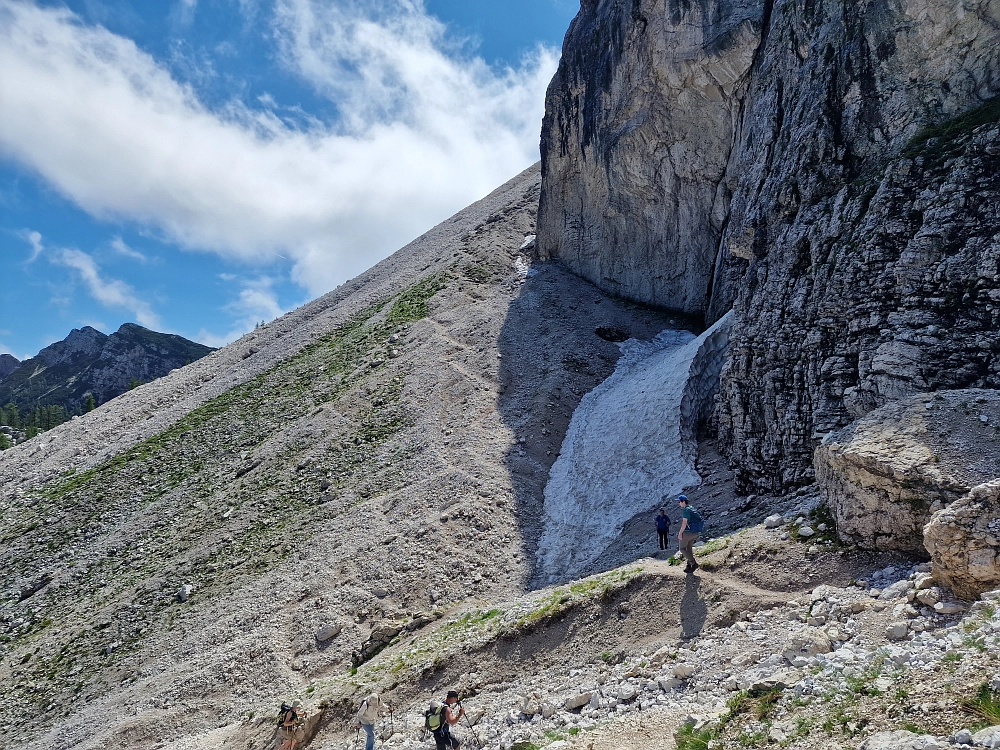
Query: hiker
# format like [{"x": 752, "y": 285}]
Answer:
[
  {"x": 663, "y": 528},
  {"x": 291, "y": 728},
  {"x": 368, "y": 714},
  {"x": 441, "y": 718},
  {"x": 690, "y": 532}
]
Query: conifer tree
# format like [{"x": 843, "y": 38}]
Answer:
[
  {"x": 4, "y": 441},
  {"x": 89, "y": 404}
]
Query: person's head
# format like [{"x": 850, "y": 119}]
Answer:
[
  {"x": 663, "y": 512},
  {"x": 682, "y": 500},
  {"x": 452, "y": 698}
]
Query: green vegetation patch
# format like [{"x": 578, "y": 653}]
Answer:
[
  {"x": 984, "y": 705},
  {"x": 949, "y": 131}
]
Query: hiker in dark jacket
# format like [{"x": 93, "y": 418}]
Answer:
[{"x": 663, "y": 528}]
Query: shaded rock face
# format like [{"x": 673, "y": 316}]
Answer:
[
  {"x": 964, "y": 542},
  {"x": 8, "y": 364},
  {"x": 886, "y": 475},
  {"x": 639, "y": 125},
  {"x": 861, "y": 264}
]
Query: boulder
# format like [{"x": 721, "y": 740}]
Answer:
[
  {"x": 804, "y": 644},
  {"x": 897, "y": 631},
  {"x": 683, "y": 671},
  {"x": 964, "y": 542},
  {"x": 577, "y": 701},
  {"x": 898, "y": 740},
  {"x": 888, "y": 473},
  {"x": 773, "y": 522},
  {"x": 988, "y": 737},
  {"x": 328, "y": 631}
]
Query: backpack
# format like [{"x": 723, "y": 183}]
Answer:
[
  {"x": 285, "y": 708},
  {"x": 696, "y": 524},
  {"x": 434, "y": 717}
]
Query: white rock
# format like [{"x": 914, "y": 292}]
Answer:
[
  {"x": 577, "y": 701},
  {"x": 773, "y": 522},
  {"x": 948, "y": 608},
  {"x": 627, "y": 691},
  {"x": 987, "y": 737},
  {"x": 328, "y": 632},
  {"x": 897, "y": 631},
  {"x": 185, "y": 592},
  {"x": 683, "y": 671},
  {"x": 672, "y": 683},
  {"x": 805, "y": 532}
]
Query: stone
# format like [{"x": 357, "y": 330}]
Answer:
[
  {"x": 963, "y": 737},
  {"x": 897, "y": 631},
  {"x": 780, "y": 680},
  {"x": 895, "y": 591},
  {"x": 683, "y": 671},
  {"x": 964, "y": 547},
  {"x": 949, "y": 608},
  {"x": 577, "y": 701},
  {"x": 627, "y": 691},
  {"x": 329, "y": 631},
  {"x": 897, "y": 740},
  {"x": 672, "y": 683},
  {"x": 887, "y": 474},
  {"x": 929, "y": 597},
  {"x": 988, "y": 737},
  {"x": 773, "y": 522},
  {"x": 805, "y": 532},
  {"x": 805, "y": 644},
  {"x": 184, "y": 593}
]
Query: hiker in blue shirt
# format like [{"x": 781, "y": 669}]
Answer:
[
  {"x": 690, "y": 532},
  {"x": 663, "y": 528}
]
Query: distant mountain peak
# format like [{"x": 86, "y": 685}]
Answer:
[
  {"x": 90, "y": 362},
  {"x": 8, "y": 364}
]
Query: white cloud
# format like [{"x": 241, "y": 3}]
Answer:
[
  {"x": 34, "y": 239},
  {"x": 109, "y": 292},
  {"x": 257, "y": 302},
  {"x": 425, "y": 131},
  {"x": 121, "y": 248}
]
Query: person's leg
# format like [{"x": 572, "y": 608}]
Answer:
[
  {"x": 455, "y": 744},
  {"x": 441, "y": 741},
  {"x": 688, "y": 545},
  {"x": 370, "y": 736}
]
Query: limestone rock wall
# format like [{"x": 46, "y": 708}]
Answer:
[
  {"x": 640, "y": 121},
  {"x": 761, "y": 155},
  {"x": 964, "y": 542},
  {"x": 887, "y": 474}
]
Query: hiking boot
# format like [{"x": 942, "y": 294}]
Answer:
[
  {"x": 688, "y": 568},
  {"x": 695, "y": 567}
]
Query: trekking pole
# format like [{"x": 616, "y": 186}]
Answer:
[
  {"x": 473, "y": 730},
  {"x": 357, "y": 739}
]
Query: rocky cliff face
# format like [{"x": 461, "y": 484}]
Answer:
[
  {"x": 8, "y": 364},
  {"x": 640, "y": 121},
  {"x": 859, "y": 249},
  {"x": 88, "y": 361}
]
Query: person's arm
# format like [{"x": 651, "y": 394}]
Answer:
[
  {"x": 684, "y": 525},
  {"x": 453, "y": 717}
]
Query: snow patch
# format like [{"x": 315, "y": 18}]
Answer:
[{"x": 631, "y": 441}]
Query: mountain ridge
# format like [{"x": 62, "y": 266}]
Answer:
[{"x": 89, "y": 362}]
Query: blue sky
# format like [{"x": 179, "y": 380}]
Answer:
[{"x": 197, "y": 166}]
